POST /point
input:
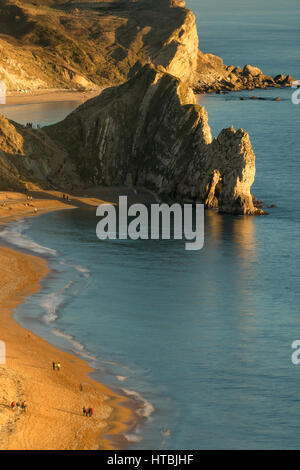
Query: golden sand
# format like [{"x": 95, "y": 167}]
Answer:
[{"x": 46, "y": 96}]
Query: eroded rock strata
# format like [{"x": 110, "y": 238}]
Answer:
[
  {"x": 28, "y": 156},
  {"x": 148, "y": 132},
  {"x": 95, "y": 44},
  {"x": 55, "y": 43},
  {"x": 214, "y": 76}
]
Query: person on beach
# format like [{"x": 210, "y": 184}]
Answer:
[
  {"x": 13, "y": 404},
  {"x": 24, "y": 406},
  {"x": 54, "y": 365},
  {"x": 84, "y": 412},
  {"x": 58, "y": 366},
  {"x": 81, "y": 387},
  {"x": 29, "y": 334}
]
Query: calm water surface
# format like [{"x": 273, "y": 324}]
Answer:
[{"x": 39, "y": 113}]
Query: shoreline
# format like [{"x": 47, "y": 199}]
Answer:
[
  {"x": 49, "y": 95},
  {"x": 54, "y": 418}
]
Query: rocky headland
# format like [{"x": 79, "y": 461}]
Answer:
[
  {"x": 145, "y": 129},
  {"x": 95, "y": 44},
  {"x": 148, "y": 132}
]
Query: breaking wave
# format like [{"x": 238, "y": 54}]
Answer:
[
  {"x": 13, "y": 233},
  {"x": 52, "y": 302},
  {"x": 146, "y": 409}
]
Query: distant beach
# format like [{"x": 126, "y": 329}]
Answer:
[{"x": 47, "y": 96}]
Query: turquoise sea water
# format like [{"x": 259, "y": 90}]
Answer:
[{"x": 201, "y": 339}]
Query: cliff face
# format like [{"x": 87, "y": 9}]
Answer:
[
  {"x": 46, "y": 44},
  {"x": 149, "y": 132},
  {"x": 28, "y": 156},
  {"x": 95, "y": 44},
  {"x": 179, "y": 54}
]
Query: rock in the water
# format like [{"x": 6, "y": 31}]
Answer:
[
  {"x": 213, "y": 75},
  {"x": 249, "y": 70},
  {"x": 284, "y": 80}
]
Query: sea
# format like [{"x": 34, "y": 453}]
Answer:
[{"x": 200, "y": 340}]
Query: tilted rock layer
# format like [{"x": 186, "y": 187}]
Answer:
[
  {"x": 95, "y": 44},
  {"x": 28, "y": 156},
  {"x": 54, "y": 43},
  {"x": 148, "y": 132}
]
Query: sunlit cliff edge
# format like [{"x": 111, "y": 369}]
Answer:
[{"x": 95, "y": 44}]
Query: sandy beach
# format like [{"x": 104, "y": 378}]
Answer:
[
  {"x": 46, "y": 96},
  {"x": 55, "y": 399}
]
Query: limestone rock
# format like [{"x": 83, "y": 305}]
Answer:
[
  {"x": 283, "y": 80},
  {"x": 249, "y": 70},
  {"x": 149, "y": 132},
  {"x": 28, "y": 156},
  {"x": 63, "y": 47},
  {"x": 93, "y": 45}
]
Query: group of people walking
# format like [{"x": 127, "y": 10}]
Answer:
[
  {"x": 31, "y": 125},
  {"x": 22, "y": 406},
  {"x": 56, "y": 366},
  {"x": 87, "y": 411}
]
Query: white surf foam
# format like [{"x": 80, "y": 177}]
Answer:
[
  {"x": 13, "y": 233},
  {"x": 51, "y": 303},
  {"x": 81, "y": 269},
  {"x": 147, "y": 409},
  {"x": 78, "y": 348},
  {"x": 131, "y": 437}
]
